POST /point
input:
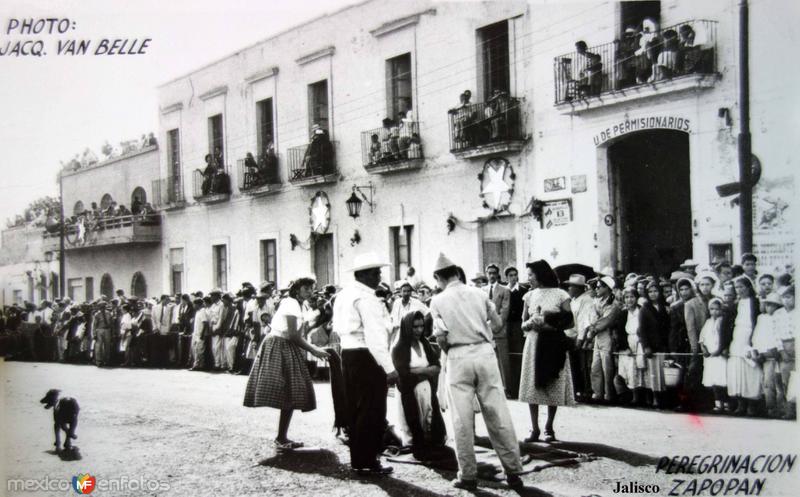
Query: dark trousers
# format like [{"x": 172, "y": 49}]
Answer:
[
  {"x": 184, "y": 351},
  {"x": 365, "y": 389},
  {"x": 516, "y": 342},
  {"x": 581, "y": 362}
]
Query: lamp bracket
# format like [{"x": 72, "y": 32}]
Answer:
[{"x": 368, "y": 200}]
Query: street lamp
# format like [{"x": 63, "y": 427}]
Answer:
[{"x": 354, "y": 203}]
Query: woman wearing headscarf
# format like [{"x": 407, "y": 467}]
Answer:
[
  {"x": 546, "y": 378},
  {"x": 417, "y": 364},
  {"x": 632, "y": 366},
  {"x": 279, "y": 377},
  {"x": 744, "y": 374},
  {"x": 653, "y": 337}
]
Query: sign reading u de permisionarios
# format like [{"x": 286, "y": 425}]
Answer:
[{"x": 641, "y": 124}]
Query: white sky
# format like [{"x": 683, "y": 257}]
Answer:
[{"x": 55, "y": 106}]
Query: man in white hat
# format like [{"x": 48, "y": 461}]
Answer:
[
  {"x": 689, "y": 266},
  {"x": 582, "y": 306},
  {"x": 607, "y": 311},
  {"x": 217, "y": 343},
  {"x": 363, "y": 325},
  {"x": 461, "y": 317}
]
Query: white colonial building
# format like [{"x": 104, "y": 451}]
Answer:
[{"x": 606, "y": 156}]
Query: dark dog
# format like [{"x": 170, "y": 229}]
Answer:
[{"x": 65, "y": 417}]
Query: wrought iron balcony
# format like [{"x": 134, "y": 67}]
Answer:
[
  {"x": 211, "y": 187},
  {"x": 84, "y": 232},
  {"x": 487, "y": 128},
  {"x": 674, "y": 58},
  {"x": 257, "y": 177},
  {"x": 387, "y": 150},
  {"x": 312, "y": 165},
  {"x": 168, "y": 193}
]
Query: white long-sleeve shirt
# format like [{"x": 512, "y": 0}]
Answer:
[{"x": 361, "y": 321}]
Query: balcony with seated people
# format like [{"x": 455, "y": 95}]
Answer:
[
  {"x": 212, "y": 184},
  {"x": 259, "y": 176},
  {"x": 642, "y": 64},
  {"x": 119, "y": 228},
  {"x": 393, "y": 147},
  {"x": 168, "y": 193},
  {"x": 486, "y": 128},
  {"x": 315, "y": 163}
]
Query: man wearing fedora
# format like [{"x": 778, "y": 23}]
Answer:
[
  {"x": 363, "y": 325},
  {"x": 461, "y": 317},
  {"x": 101, "y": 325},
  {"x": 607, "y": 312}
]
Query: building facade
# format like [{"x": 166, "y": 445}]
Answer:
[
  {"x": 607, "y": 152},
  {"x": 28, "y": 269},
  {"x": 113, "y": 252}
]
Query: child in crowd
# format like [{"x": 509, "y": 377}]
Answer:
[
  {"x": 765, "y": 352},
  {"x": 715, "y": 364},
  {"x": 787, "y": 334}
]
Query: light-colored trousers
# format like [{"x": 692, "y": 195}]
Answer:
[
  {"x": 472, "y": 371},
  {"x": 198, "y": 353},
  {"x": 230, "y": 351},
  {"x": 602, "y": 367},
  {"x": 218, "y": 351},
  {"x": 62, "y": 346},
  {"x": 102, "y": 349}
]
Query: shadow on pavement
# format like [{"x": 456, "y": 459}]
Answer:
[
  {"x": 607, "y": 451},
  {"x": 326, "y": 463},
  {"x": 71, "y": 454}
]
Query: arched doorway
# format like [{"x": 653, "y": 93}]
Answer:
[
  {"x": 78, "y": 208},
  {"x": 138, "y": 286},
  {"x": 107, "y": 286},
  {"x": 138, "y": 199},
  {"x": 106, "y": 201},
  {"x": 650, "y": 199}
]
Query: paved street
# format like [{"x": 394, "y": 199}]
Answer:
[{"x": 190, "y": 431}]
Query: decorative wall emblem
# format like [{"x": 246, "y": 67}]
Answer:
[
  {"x": 497, "y": 184},
  {"x": 320, "y": 213}
]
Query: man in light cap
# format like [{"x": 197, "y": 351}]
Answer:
[
  {"x": 102, "y": 323},
  {"x": 607, "y": 312},
  {"x": 461, "y": 317},
  {"x": 363, "y": 325}
]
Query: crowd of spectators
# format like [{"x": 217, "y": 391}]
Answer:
[{"x": 703, "y": 339}]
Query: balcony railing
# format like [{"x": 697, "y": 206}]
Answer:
[
  {"x": 258, "y": 176},
  {"x": 87, "y": 231},
  {"x": 168, "y": 193},
  {"x": 392, "y": 149},
  {"x": 496, "y": 122},
  {"x": 685, "y": 49},
  {"x": 212, "y": 187},
  {"x": 310, "y": 165}
]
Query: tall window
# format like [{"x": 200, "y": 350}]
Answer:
[
  {"x": 215, "y": 135},
  {"x": 493, "y": 49},
  {"x": 633, "y": 13},
  {"x": 220, "y": 254},
  {"x": 318, "y": 104},
  {"x": 266, "y": 130},
  {"x": 398, "y": 74},
  {"x": 401, "y": 250},
  {"x": 74, "y": 286},
  {"x": 176, "y": 270},
  {"x": 269, "y": 260},
  {"x": 174, "y": 153},
  {"x": 89, "y": 289},
  {"x": 107, "y": 286}
]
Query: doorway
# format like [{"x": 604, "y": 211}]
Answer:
[
  {"x": 324, "y": 260},
  {"x": 651, "y": 199}
]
